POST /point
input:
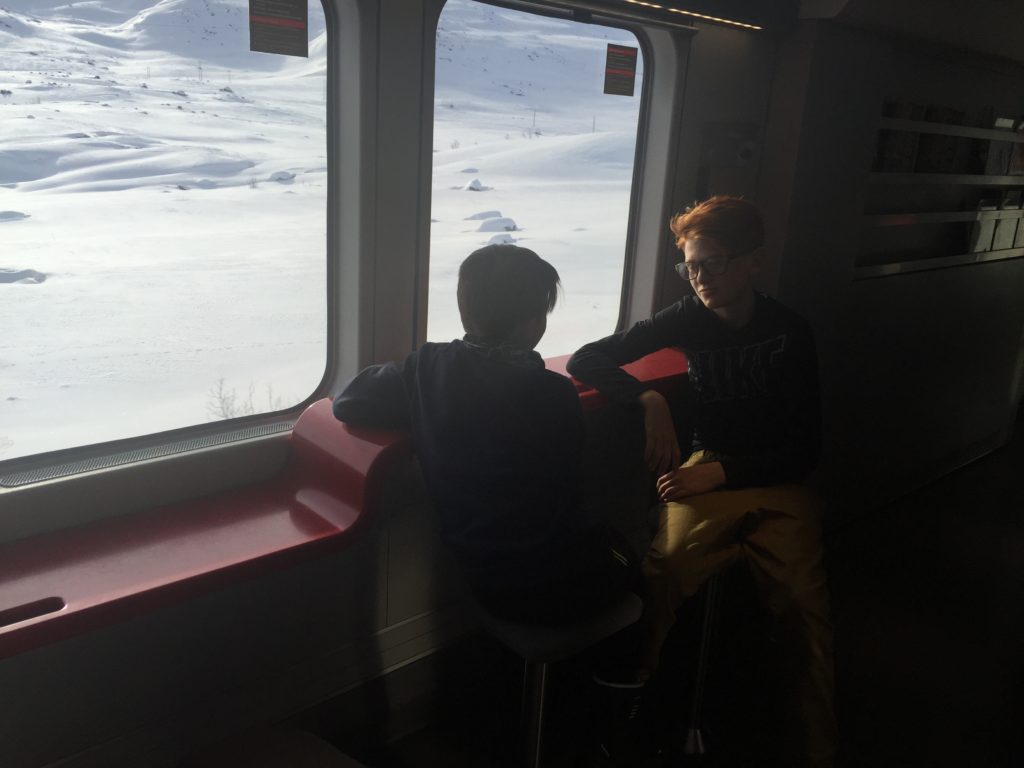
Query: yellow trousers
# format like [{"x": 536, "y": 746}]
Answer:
[{"x": 777, "y": 531}]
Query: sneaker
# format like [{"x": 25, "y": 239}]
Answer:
[
  {"x": 619, "y": 671},
  {"x": 610, "y": 679},
  {"x": 620, "y": 734},
  {"x": 624, "y": 698}
]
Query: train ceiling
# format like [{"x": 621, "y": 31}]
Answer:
[
  {"x": 752, "y": 15},
  {"x": 989, "y": 27}
]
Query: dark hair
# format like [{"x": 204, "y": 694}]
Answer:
[
  {"x": 732, "y": 223},
  {"x": 503, "y": 286}
]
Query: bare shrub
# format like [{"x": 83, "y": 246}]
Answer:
[{"x": 228, "y": 404}]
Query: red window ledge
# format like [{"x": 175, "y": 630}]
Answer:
[{"x": 58, "y": 585}]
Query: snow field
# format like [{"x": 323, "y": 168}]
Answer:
[
  {"x": 179, "y": 221},
  {"x": 519, "y": 109},
  {"x": 168, "y": 186}
]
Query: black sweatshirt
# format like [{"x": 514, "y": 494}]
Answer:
[
  {"x": 499, "y": 439},
  {"x": 756, "y": 388}
]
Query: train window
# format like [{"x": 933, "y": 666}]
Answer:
[
  {"x": 162, "y": 220},
  {"x": 528, "y": 149}
]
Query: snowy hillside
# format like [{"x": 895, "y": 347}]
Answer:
[
  {"x": 175, "y": 82},
  {"x": 211, "y": 160},
  {"x": 162, "y": 202},
  {"x": 520, "y": 109}
]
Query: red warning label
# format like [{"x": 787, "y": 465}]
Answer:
[
  {"x": 279, "y": 26},
  {"x": 620, "y": 70}
]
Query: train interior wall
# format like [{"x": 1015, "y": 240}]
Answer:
[{"x": 921, "y": 372}]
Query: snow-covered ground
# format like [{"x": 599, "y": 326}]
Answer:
[
  {"x": 520, "y": 109},
  {"x": 162, "y": 203}
]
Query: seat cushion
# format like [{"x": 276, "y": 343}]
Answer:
[{"x": 555, "y": 643}]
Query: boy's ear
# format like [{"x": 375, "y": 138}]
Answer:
[
  {"x": 529, "y": 332},
  {"x": 535, "y": 330}
]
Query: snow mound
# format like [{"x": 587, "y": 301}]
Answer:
[
  {"x": 227, "y": 94},
  {"x": 483, "y": 215},
  {"x": 39, "y": 157},
  {"x": 200, "y": 184},
  {"x": 28, "y": 276},
  {"x": 502, "y": 239},
  {"x": 12, "y": 215},
  {"x": 123, "y": 163},
  {"x": 498, "y": 225},
  {"x": 284, "y": 177},
  {"x": 475, "y": 186}
]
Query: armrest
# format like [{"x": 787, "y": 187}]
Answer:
[
  {"x": 662, "y": 370},
  {"x": 60, "y": 584}
]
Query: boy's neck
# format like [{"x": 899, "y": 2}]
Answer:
[
  {"x": 739, "y": 313},
  {"x": 480, "y": 341}
]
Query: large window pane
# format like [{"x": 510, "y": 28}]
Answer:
[
  {"x": 162, "y": 220},
  {"x": 523, "y": 128}
]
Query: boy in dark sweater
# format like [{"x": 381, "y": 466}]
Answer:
[
  {"x": 499, "y": 439},
  {"x": 756, "y": 422}
]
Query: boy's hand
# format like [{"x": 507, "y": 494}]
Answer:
[
  {"x": 662, "y": 450},
  {"x": 691, "y": 481}
]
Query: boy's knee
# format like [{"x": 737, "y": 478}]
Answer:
[
  {"x": 800, "y": 597},
  {"x": 805, "y": 505},
  {"x": 790, "y": 525},
  {"x": 653, "y": 568},
  {"x": 667, "y": 560}
]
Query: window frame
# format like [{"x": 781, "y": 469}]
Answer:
[
  {"x": 116, "y": 477},
  {"x": 653, "y": 160}
]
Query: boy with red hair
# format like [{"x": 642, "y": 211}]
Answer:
[{"x": 756, "y": 423}]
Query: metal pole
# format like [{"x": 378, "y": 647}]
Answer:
[
  {"x": 537, "y": 675},
  {"x": 694, "y": 737}
]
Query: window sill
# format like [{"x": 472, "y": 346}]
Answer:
[{"x": 57, "y": 585}]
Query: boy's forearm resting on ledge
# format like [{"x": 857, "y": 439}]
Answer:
[{"x": 661, "y": 451}]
